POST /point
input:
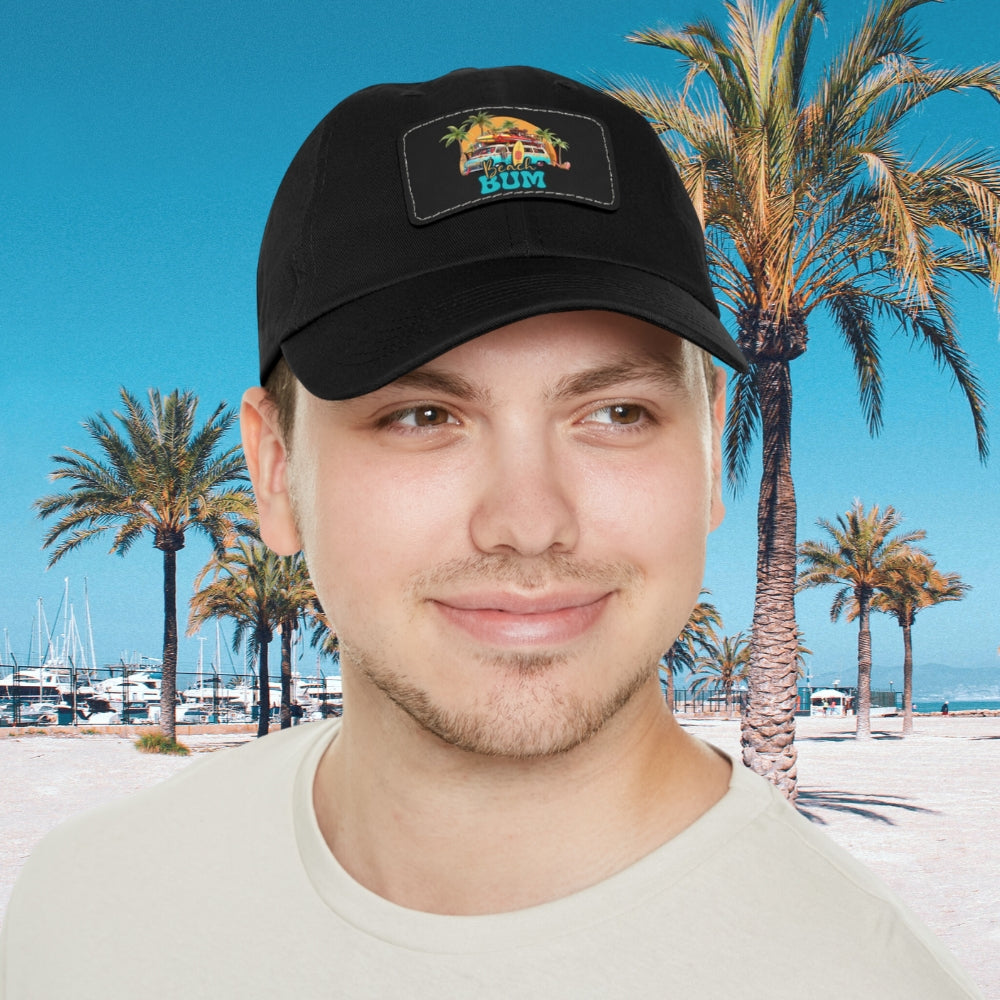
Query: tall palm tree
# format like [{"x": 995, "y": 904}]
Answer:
[
  {"x": 726, "y": 663},
  {"x": 809, "y": 203},
  {"x": 695, "y": 639},
  {"x": 262, "y": 593},
  {"x": 157, "y": 473},
  {"x": 916, "y": 583},
  {"x": 858, "y": 561}
]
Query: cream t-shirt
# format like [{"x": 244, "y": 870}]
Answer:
[{"x": 218, "y": 883}]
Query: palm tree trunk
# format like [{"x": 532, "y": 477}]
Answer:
[
  {"x": 168, "y": 684},
  {"x": 264, "y": 719},
  {"x": 768, "y": 727},
  {"x": 907, "y": 679},
  {"x": 669, "y": 665},
  {"x": 286, "y": 674},
  {"x": 864, "y": 706}
]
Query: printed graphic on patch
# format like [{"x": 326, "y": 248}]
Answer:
[{"x": 471, "y": 157}]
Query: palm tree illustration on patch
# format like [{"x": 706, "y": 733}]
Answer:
[{"x": 491, "y": 144}]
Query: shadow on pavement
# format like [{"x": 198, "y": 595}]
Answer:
[
  {"x": 845, "y": 738},
  {"x": 813, "y": 804}
]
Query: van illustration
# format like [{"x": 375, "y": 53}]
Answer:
[{"x": 487, "y": 141}]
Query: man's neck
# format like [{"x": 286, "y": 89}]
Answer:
[{"x": 441, "y": 830}]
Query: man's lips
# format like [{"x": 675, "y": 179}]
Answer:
[{"x": 522, "y": 619}]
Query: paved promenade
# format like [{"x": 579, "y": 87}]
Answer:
[{"x": 923, "y": 812}]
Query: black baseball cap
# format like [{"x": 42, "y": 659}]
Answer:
[{"x": 418, "y": 216}]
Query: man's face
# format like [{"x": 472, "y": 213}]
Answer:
[{"x": 508, "y": 538}]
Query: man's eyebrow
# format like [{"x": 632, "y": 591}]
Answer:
[
  {"x": 447, "y": 383},
  {"x": 667, "y": 373}
]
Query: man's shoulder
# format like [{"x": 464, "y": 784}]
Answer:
[
  {"x": 778, "y": 869},
  {"x": 201, "y": 849},
  {"x": 790, "y": 852},
  {"x": 238, "y": 789}
]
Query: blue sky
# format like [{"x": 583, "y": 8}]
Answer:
[{"x": 143, "y": 144}]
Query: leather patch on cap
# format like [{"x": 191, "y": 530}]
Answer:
[{"x": 468, "y": 158}]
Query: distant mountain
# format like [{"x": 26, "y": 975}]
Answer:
[{"x": 931, "y": 681}]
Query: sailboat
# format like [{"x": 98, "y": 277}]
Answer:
[{"x": 64, "y": 671}]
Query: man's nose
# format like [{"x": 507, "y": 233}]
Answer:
[{"x": 525, "y": 500}]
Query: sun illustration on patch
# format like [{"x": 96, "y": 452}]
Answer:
[{"x": 506, "y": 153}]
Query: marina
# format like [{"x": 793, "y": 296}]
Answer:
[{"x": 60, "y": 684}]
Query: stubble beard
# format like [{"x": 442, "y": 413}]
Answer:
[{"x": 528, "y": 713}]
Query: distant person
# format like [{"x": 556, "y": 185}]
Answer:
[
  {"x": 944, "y": 708},
  {"x": 489, "y": 417}
]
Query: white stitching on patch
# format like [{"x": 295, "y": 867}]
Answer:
[{"x": 548, "y": 193}]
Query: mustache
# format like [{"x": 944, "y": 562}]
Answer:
[{"x": 542, "y": 572}]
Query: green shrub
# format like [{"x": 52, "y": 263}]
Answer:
[{"x": 156, "y": 742}]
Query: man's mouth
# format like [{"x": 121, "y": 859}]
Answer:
[{"x": 505, "y": 618}]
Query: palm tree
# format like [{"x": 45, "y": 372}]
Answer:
[
  {"x": 801, "y": 652},
  {"x": 455, "y": 133},
  {"x": 560, "y": 144},
  {"x": 262, "y": 593},
  {"x": 914, "y": 584},
  {"x": 324, "y": 636},
  {"x": 809, "y": 204},
  {"x": 482, "y": 120},
  {"x": 695, "y": 638},
  {"x": 298, "y": 601},
  {"x": 548, "y": 136},
  {"x": 157, "y": 473},
  {"x": 858, "y": 562},
  {"x": 726, "y": 663}
]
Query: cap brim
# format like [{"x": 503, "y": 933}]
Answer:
[{"x": 389, "y": 336}]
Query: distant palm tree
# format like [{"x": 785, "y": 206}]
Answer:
[
  {"x": 809, "y": 204},
  {"x": 694, "y": 640},
  {"x": 908, "y": 588},
  {"x": 262, "y": 593},
  {"x": 158, "y": 473},
  {"x": 859, "y": 561},
  {"x": 723, "y": 666},
  {"x": 801, "y": 652}
]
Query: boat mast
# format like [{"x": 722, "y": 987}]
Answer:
[
  {"x": 90, "y": 632},
  {"x": 201, "y": 660},
  {"x": 38, "y": 625},
  {"x": 217, "y": 663},
  {"x": 67, "y": 650}
]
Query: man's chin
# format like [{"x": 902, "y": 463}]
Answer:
[{"x": 524, "y": 720}]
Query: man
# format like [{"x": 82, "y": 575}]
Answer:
[{"x": 490, "y": 422}]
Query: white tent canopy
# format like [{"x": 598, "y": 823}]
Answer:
[{"x": 829, "y": 695}]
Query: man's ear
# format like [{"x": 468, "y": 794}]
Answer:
[
  {"x": 718, "y": 412},
  {"x": 267, "y": 462}
]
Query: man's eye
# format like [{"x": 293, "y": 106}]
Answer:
[
  {"x": 618, "y": 413},
  {"x": 424, "y": 416}
]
